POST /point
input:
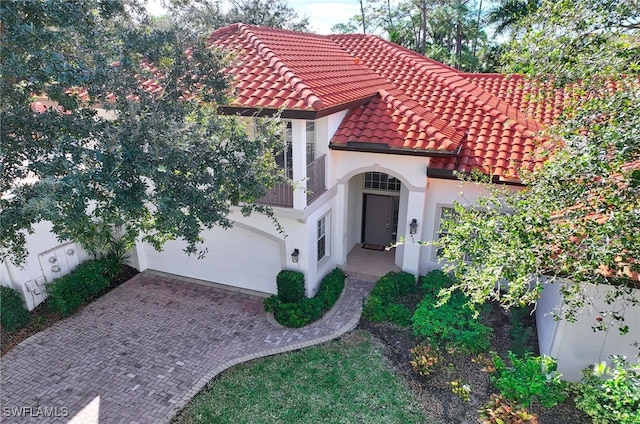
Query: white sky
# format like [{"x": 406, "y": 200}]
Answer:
[{"x": 322, "y": 14}]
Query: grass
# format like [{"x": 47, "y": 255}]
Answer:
[{"x": 344, "y": 381}]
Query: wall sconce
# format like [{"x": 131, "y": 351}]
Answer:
[
  {"x": 295, "y": 255},
  {"x": 413, "y": 227}
]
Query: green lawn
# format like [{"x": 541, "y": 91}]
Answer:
[{"x": 345, "y": 381}]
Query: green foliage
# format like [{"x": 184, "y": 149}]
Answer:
[
  {"x": 304, "y": 310},
  {"x": 383, "y": 302},
  {"x": 68, "y": 293},
  {"x": 13, "y": 314},
  {"x": 168, "y": 167},
  {"x": 528, "y": 378},
  {"x": 455, "y": 323},
  {"x": 520, "y": 334},
  {"x": 290, "y": 286},
  {"x": 460, "y": 389},
  {"x": 331, "y": 288},
  {"x": 577, "y": 219},
  {"x": 449, "y": 32},
  {"x": 424, "y": 359},
  {"x": 204, "y": 16},
  {"x": 611, "y": 395},
  {"x": 500, "y": 410}
]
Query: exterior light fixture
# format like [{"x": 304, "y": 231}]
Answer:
[
  {"x": 295, "y": 255},
  {"x": 413, "y": 227}
]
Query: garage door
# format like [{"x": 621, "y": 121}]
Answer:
[{"x": 237, "y": 257}]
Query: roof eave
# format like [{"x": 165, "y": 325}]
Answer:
[
  {"x": 294, "y": 113},
  {"x": 357, "y": 146},
  {"x": 449, "y": 174}
]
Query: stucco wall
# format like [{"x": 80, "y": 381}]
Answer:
[
  {"x": 30, "y": 277},
  {"x": 575, "y": 345},
  {"x": 442, "y": 193}
]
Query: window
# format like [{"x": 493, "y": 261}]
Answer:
[
  {"x": 381, "y": 181},
  {"x": 449, "y": 213},
  {"x": 322, "y": 238},
  {"x": 284, "y": 158},
  {"x": 311, "y": 141}
]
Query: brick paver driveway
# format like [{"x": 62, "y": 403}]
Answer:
[{"x": 141, "y": 352}]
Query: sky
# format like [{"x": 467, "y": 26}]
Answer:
[{"x": 322, "y": 14}]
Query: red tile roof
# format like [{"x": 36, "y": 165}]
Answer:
[{"x": 410, "y": 103}]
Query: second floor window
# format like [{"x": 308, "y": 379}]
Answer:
[{"x": 284, "y": 158}]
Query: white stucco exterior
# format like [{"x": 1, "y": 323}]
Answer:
[
  {"x": 251, "y": 253},
  {"x": 576, "y": 345},
  {"x": 47, "y": 260}
]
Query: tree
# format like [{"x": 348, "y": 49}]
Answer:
[
  {"x": 445, "y": 30},
  {"x": 509, "y": 13},
  {"x": 131, "y": 143},
  {"x": 578, "y": 218},
  {"x": 204, "y": 16}
]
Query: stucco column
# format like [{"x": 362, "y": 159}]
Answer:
[
  {"x": 299, "y": 147},
  {"x": 340, "y": 223},
  {"x": 415, "y": 210}
]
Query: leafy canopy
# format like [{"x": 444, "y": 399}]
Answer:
[
  {"x": 579, "y": 216},
  {"x": 128, "y": 139}
]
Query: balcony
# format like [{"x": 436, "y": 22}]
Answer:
[{"x": 282, "y": 193}]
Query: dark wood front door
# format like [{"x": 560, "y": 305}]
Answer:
[{"x": 378, "y": 219}]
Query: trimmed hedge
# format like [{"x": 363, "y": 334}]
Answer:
[
  {"x": 13, "y": 314},
  {"x": 68, "y": 293},
  {"x": 382, "y": 304},
  {"x": 290, "y": 286},
  {"x": 305, "y": 310}
]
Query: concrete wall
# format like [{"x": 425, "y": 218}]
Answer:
[{"x": 576, "y": 345}]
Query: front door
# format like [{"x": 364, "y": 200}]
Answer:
[{"x": 378, "y": 219}]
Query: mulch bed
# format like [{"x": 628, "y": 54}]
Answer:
[
  {"x": 439, "y": 403},
  {"x": 41, "y": 317}
]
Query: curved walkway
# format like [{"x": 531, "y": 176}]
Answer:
[{"x": 141, "y": 352}]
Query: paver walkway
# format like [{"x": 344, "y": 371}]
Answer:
[{"x": 146, "y": 348}]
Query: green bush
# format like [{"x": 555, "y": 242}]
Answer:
[
  {"x": 528, "y": 378},
  {"x": 67, "y": 293},
  {"x": 454, "y": 324},
  {"x": 383, "y": 302},
  {"x": 13, "y": 314},
  {"x": 611, "y": 395},
  {"x": 306, "y": 310},
  {"x": 435, "y": 281},
  {"x": 520, "y": 334},
  {"x": 290, "y": 285},
  {"x": 394, "y": 285},
  {"x": 331, "y": 288}
]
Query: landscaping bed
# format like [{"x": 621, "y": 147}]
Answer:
[
  {"x": 43, "y": 317},
  {"x": 434, "y": 392}
]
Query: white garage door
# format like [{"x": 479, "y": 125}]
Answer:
[{"x": 237, "y": 257}]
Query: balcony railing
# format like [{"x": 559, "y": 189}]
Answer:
[{"x": 282, "y": 193}]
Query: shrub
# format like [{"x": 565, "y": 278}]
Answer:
[
  {"x": 290, "y": 286},
  {"x": 520, "y": 334},
  {"x": 435, "y": 281},
  {"x": 382, "y": 304},
  {"x": 393, "y": 285},
  {"x": 529, "y": 377},
  {"x": 425, "y": 358},
  {"x": 453, "y": 324},
  {"x": 13, "y": 314},
  {"x": 615, "y": 399},
  {"x": 305, "y": 310},
  {"x": 331, "y": 288},
  {"x": 501, "y": 411},
  {"x": 67, "y": 293}
]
